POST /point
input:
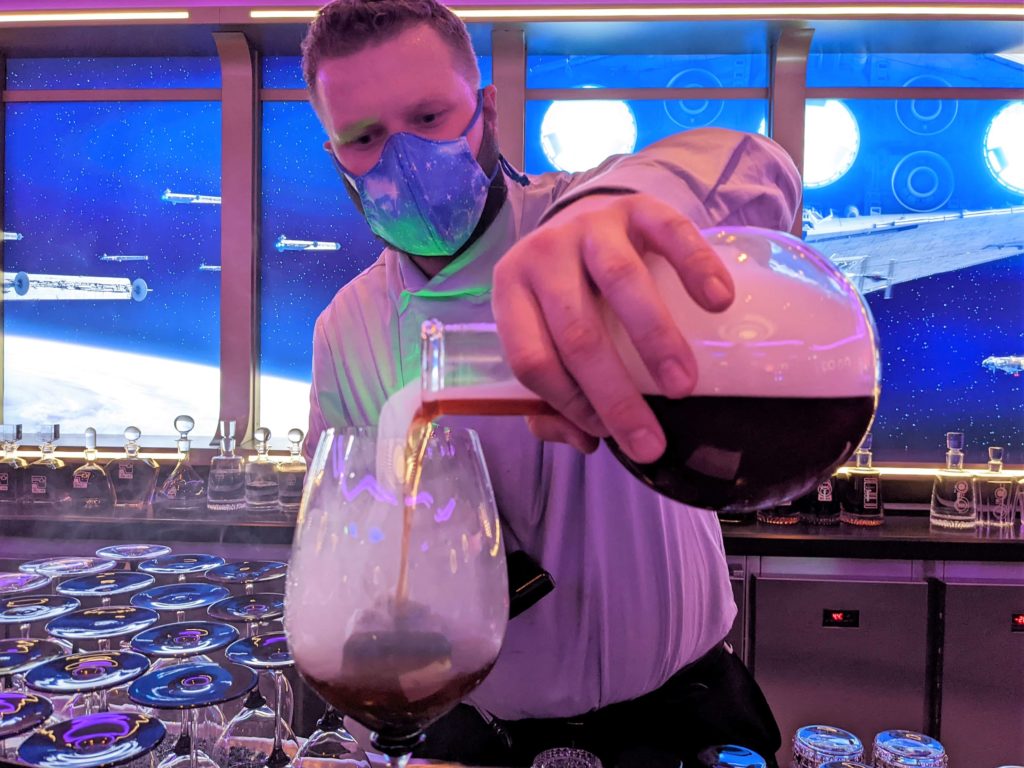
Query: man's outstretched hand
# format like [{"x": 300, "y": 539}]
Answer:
[{"x": 547, "y": 293}]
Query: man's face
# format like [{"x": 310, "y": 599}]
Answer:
[{"x": 408, "y": 84}]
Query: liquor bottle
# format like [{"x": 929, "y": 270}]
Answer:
[
  {"x": 291, "y": 473},
  {"x": 862, "y": 502},
  {"x": 90, "y": 486},
  {"x": 952, "y": 504},
  {"x": 786, "y": 513},
  {"x": 46, "y": 482},
  {"x": 821, "y": 506},
  {"x": 260, "y": 476},
  {"x": 993, "y": 493},
  {"x": 11, "y": 469},
  {"x": 226, "y": 488},
  {"x": 132, "y": 478},
  {"x": 184, "y": 489}
]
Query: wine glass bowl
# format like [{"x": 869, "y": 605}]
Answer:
[{"x": 396, "y": 603}]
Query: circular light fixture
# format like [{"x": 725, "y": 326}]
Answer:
[
  {"x": 577, "y": 135},
  {"x": 832, "y": 140},
  {"x": 1004, "y": 151}
]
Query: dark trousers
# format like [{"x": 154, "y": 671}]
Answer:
[{"x": 712, "y": 701}]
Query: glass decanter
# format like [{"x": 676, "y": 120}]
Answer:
[
  {"x": 952, "y": 504},
  {"x": 184, "y": 489},
  {"x": 46, "y": 482},
  {"x": 11, "y": 468},
  {"x": 132, "y": 477},
  {"x": 862, "y": 502},
  {"x": 778, "y": 402},
  {"x": 90, "y": 486},
  {"x": 821, "y": 506},
  {"x": 225, "y": 490},
  {"x": 417, "y": 603},
  {"x": 260, "y": 476},
  {"x": 291, "y": 474},
  {"x": 993, "y": 493}
]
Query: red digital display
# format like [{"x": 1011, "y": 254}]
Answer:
[
  {"x": 831, "y": 617},
  {"x": 1017, "y": 622}
]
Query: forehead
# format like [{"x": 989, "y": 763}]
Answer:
[{"x": 414, "y": 65}]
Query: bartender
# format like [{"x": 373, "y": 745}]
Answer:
[{"x": 626, "y": 656}]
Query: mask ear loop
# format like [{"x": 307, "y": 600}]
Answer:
[{"x": 512, "y": 173}]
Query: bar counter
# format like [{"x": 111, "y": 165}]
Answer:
[{"x": 904, "y": 536}]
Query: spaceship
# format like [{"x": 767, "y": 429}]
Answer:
[
  {"x": 204, "y": 267},
  {"x": 22, "y": 286},
  {"x": 880, "y": 251},
  {"x": 123, "y": 257},
  {"x": 284, "y": 244},
  {"x": 184, "y": 198},
  {"x": 13, "y": 236},
  {"x": 1011, "y": 364}
]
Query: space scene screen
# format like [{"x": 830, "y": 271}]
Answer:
[{"x": 112, "y": 232}]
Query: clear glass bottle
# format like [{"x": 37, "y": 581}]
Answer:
[
  {"x": 11, "y": 469},
  {"x": 952, "y": 504},
  {"x": 862, "y": 502},
  {"x": 132, "y": 477},
  {"x": 994, "y": 493},
  {"x": 260, "y": 476},
  {"x": 786, "y": 513},
  {"x": 226, "y": 487},
  {"x": 90, "y": 486},
  {"x": 184, "y": 489},
  {"x": 821, "y": 506},
  {"x": 46, "y": 479},
  {"x": 291, "y": 474}
]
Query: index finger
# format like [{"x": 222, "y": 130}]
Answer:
[{"x": 655, "y": 226}]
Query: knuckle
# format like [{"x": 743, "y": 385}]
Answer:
[
  {"x": 531, "y": 367},
  {"x": 617, "y": 271},
  {"x": 580, "y": 340},
  {"x": 621, "y": 410}
]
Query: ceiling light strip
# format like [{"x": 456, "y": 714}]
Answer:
[
  {"x": 65, "y": 16},
  {"x": 707, "y": 11}
]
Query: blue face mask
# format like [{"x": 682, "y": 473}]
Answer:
[{"x": 424, "y": 197}]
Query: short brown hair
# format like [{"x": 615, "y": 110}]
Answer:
[{"x": 343, "y": 27}]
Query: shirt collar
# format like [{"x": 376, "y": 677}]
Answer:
[{"x": 469, "y": 275}]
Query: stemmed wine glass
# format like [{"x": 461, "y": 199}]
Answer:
[{"x": 396, "y": 602}]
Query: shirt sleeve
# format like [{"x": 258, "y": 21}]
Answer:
[{"x": 712, "y": 176}]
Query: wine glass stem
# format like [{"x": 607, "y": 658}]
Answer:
[
  {"x": 103, "y": 644},
  {"x": 105, "y": 600},
  {"x": 249, "y": 587},
  {"x": 25, "y": 629},
  {"x": 193, "y": 735},
  {"x": 278, "y": 707},
  {"x": 179, "y": 616}
]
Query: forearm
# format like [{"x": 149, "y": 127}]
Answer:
[{"x": 711, "y": 176}]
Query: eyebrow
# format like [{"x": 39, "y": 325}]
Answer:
[{"x": 353, "y": 130}]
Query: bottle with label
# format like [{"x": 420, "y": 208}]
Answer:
[
  {"x": 862, "y": 503},
  {"x": 260, "y": 476},
  {"x": 46, "y": 480},
  {"x": 90, "y": 486},
  {"x": 291, "y": 474},
  {"x": 11, "y": 469},
  {"x": 132, "y": 478},
  {"x": 184, "y": 489},
  {"x": 821, "y": 506},
  {"x": 952, "y": 505},
  {"x": 994, "y": 493},
  {"x": 226, "y": 487},
  {"x": 786, "y": 513}
]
